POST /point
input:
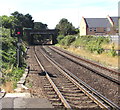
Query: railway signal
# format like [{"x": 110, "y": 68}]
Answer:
[
  {"x": 18, "y": 31},
  {"x": 19, "y": 34}
]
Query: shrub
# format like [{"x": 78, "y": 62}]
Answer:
[
  {"x": 94, "y": 46},
  {"x": 8, "y": 60},
  {"x": 112, "y": 51},
  {"x": 91, "y": 43},
  {"x": 59, "y": 38},
  {"x": 67, "y": 40}
]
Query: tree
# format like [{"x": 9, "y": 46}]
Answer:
[
  {"x": 23, "y": 20},
  {"x": 7, "y": 22},
  {"x": 40, "y": 25},
  {"x": 28, "y": 22},
  {"x": 65, "y": 27},
  {"x": 19, "y": 18}
]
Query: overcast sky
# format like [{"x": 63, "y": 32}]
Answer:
[{"x": 51, "y": 11}]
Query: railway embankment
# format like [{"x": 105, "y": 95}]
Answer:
[
  {"x": 97, "y": 48},
  {"x": 104, "y": 59}
]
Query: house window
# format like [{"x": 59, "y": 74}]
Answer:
[
  {"x": 95, "y": 29},
  {"x": 104, "y": 29},
  {"x": 90, "y": 29}
]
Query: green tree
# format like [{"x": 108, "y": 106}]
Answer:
[
  {"x": 65, "y": 27},
  {"x": 40, "y": 25},
  {"x": 7, "y": 21},
  {"x": 23, "y": 20},
  {"x": 28, "y": 22}
]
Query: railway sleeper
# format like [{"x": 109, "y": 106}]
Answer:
[
  {"x": 92, "y": 107},
  {"x": 66, "y": 81},
  {"x": 68, "y": 89},
  {"x": 71, "y": 91},
  {"x": 54, "y": 99},
  {"x": 82, "y": 98},
  {"x": 48, "y": 88},
  {"x": 84, "y": 102},
  {"x": 66, "y": 86},
  {"x": 57, "y": 105},
  {"x": 83, "y": 105},
  {"x": 53, "y": 96},
  {"x": 74, "y": 95},
  {"x": 50, "y": 92}
]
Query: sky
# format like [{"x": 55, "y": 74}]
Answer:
[{"x": 50, "y": 12}]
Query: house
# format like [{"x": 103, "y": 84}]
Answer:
[
  {"x": 119, "y": 25},
  {"x": 99, "y": 26}
]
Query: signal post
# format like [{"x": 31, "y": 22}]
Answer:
[{"x": 19, "y": 34}]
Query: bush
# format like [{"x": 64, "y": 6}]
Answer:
[
  {"x": 88, "y": 42},
  {"x": 112, "y": 51},
  {"x": 94, "y": 46},
  {"x": 59, "y": 38},
  {"x": 91, "y": 43},
  {"x": 67, "y": 40},
  {"x": 8, "y": 64}
]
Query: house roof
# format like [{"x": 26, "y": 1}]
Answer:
[
  {"x": 97, "y": 22},
  {"x": 115, "y": 20}
]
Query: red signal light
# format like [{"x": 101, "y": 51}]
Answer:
[{"x": 18, "y": 32}]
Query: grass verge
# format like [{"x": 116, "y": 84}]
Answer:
[{"x": 104, "y": 58}]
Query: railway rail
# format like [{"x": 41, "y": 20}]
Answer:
[
  {"x": 71, "y": 91},
  {"x": 103, "y": 85},
  {"x": 104, "y": 72}
]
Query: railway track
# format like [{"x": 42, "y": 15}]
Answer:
[
  {"x": 103, "y": 85},
  {"x": 67, "y": 90},
  {"x": 107, "y": 73}
]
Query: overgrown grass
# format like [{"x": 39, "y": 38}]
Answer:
[
  {"x": 110, "y": 45},
  {"x": 92, "y": 47},
  {"x": 94, "y": 44},
  {"x": 104, "y": 58},
  {"x": 12, "y": 75}
]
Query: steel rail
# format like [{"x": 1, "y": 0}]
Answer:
[
  {"x": 96, "y": 71},
  {"x": 90, "y": 95},
  {"x": 113, "y": 71},
  {"x": 90, "y": 89},
  {"x": 65, "y": 103}
]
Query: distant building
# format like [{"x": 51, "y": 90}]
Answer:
[
  {"x": 99, "y": 26},
  {"x": 119, "y": 26}
]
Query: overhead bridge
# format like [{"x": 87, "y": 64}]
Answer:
[
  {"x": 48, "y": 31},
  {"x": 47, "y": 36}
]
